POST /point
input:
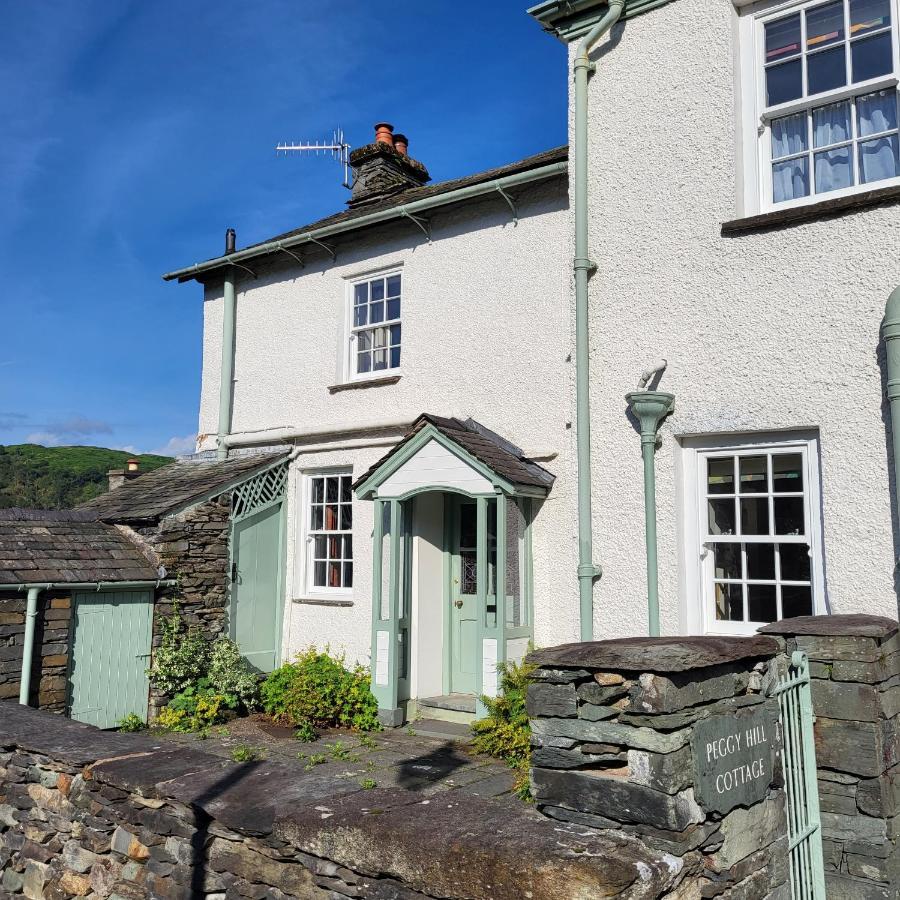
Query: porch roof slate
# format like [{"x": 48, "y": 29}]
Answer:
[
  {"x": 487, "y": 447},
  {"x": 173, "y": 487},
  {"x": 40, "y": 546}
]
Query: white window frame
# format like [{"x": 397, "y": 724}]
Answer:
[
  {"x": 698, "y": 600},
  {"x": 755, "y": 119},
  {"x": 305, "y": 547},
  {"x": 351, "y": 330}
]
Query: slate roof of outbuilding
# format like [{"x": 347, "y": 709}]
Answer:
[
  {"x": 39, "y": 546},
  {"x": 487, "y": 447},
  {"x": 176, "y": 486}
]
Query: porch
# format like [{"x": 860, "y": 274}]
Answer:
[{"x": 452, "y": 586}]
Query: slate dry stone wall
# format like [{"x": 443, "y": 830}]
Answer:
[
  {"x": 86, "y": 813},
  {"x": 613, "y": 727},
  {"x": 51, "y": 647},
  {"x": 855, "y": 681}
]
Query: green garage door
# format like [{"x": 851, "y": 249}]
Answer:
[{"x": 112, "y": 635}]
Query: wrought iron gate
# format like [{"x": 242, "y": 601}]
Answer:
[{"x": 807, "y": 868}]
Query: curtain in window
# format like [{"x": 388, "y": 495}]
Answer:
[{"x": 877, "y": 158}]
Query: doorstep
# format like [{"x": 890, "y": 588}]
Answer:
[{"x": 458, "y": 708}]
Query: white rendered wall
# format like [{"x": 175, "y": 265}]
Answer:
[
  {"x": 764, "y": 331},
  {"x": 486, "y": 334},
  {"x": 427, "y": 626}
]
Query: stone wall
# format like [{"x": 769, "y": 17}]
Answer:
[
  {"x": 672, "y": 740},
  {"x": 855, "y": 681},
  {"x": 51, "y": 647},
  {"x": 98, "y": 814}
]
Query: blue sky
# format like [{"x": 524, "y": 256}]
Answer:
[{"x": 134, "y": 133}]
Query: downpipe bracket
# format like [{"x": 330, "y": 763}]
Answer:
[
  {"x": 590, "y": 571},
  {"x": 585, "y": 264}
]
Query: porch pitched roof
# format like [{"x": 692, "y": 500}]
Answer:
[{"x": 479, "y": 443}]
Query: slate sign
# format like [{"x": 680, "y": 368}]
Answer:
[{"x": 734, "y": 757}]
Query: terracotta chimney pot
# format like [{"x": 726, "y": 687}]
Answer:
[
  {"x": 401, "y": 143},
  {"x": 384, "y": 134}
]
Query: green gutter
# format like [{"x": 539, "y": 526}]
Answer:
[
  {"x": 496, "y": 186},
  {"x": 89, "y": 585},
  {"x": 571, "y": 19},
  {"x": 890, "y": 333},
  {"x": 582, "y": 265}
]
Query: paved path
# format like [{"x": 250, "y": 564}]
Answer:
[{"x": 393, "y": 758}]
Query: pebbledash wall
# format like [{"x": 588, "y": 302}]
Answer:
[
  {"x": 763, "y": 331},
  {"x": 486, "y": 334}
]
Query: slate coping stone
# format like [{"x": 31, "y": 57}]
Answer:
[
  {"x": 646, "y": 654},
  {"x": 142, "y": 773},
  {"x": 847, "y": 625},
  {"x": 466, "y": 846}
]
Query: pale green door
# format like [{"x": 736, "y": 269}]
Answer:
[
  {"x": 111, "y": 638},
  {"x": 255, "y": 587},
  {"x": 464, "y": 655}
]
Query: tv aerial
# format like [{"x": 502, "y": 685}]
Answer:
[{"x": 338, "y": 148}]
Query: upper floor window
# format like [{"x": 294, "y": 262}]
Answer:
[
  {"x": 375, "y": 330},
  {"x": 826, "y": 82}
]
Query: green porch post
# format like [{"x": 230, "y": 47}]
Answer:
[
  {"x": 500, "y": 586},
  {"x": 481, "y": 600}
]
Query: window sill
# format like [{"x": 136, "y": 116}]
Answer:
[
  {"x": 364, "y": 383},
  {"x": 825, "y": 209},
  {"x": 324, "y": 601}
]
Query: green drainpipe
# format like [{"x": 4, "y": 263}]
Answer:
[
  {"x": 890, "y": 332},
  {"x": 226, "y": 382},
  {"x": 28, "y": 646},
  {"x": 650, "y": 408},
  {"x": 587, "y": 571}
]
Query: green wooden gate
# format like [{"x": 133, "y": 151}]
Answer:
[
  {"x": 807, "y": 866},
  {"x": 111, "y": 639},
  {"x": 257, "y": 567}
]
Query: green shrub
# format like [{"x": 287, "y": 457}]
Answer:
[
  {"x": 181, "y": 659},
  {"x": 132, "y": 722},
  {"x": 229, "y": 673},
  {"x": 318, "y": 690},
  {"x": 246, "y": 754},
  {"x": 305, "y": 733},
  {"x": 505, "y": 733},
  {"x": 196, "y": 708}
]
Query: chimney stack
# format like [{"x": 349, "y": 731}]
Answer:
[
  {"x": 383, "y": 168},
  {"x": 118, "y": 477}
]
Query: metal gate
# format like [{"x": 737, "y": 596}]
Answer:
[{"x": 807, "y": 868}]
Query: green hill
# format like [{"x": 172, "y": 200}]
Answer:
[{"x": 60, "y": 477}]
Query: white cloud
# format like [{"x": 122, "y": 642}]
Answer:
[
  {"x": 46, "y": 438},
  {"x": 177, "y": 446}
]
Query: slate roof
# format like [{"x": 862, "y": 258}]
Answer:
[
  {"x": 39, "y": 546},
  {"x": 174, "y": 487},
  {"x": 548, "y": 157},
  {"x": 487, "y": 447}
]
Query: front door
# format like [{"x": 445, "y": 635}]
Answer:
[
  {"x": 255, "y": 587},
  {"x": 464, "y": 600}
]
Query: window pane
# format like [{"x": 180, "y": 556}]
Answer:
[
  {"x": 360, "y": 315},
  {"x": 376, "y": 312},
  {"x": 318, "y": 490},
  {"x": 783, "y": 38},
  {"x": 755, "y": 516},
  {"x": 346, "y": 516},
  {"x": 364, "y": 341},
  {"x": 788, "y": 135},
  {"x": 334, "y": 574},
  {"x": 790, "y": 179},
  {"x": 869, "y": 15},
  {"x": 393, "y": 308},
  {"x": 833, "y": 170},
  {"x": 824, "y": 25},
  {"x": 727, "y": 560},
  {"x": 784, "y": 82},
  {"x": 379, "y": 360},
  {"x": 331, "y": 489},
  {"x": 316, "y": 518},
  {"x": 761, "y": 603},
  {"x": 364, "y": 362},
  {"x": 393, "y": 286},
  {"x": 789, "y": 515},
  {"x": 360, "y": 294},
  {"x": 878, "y": 159},
  {"x": 395, "y": 357},
  {"x": 377, "y": 290},
  {"x": 334, "y": 547},
  {"x": 380, "y": 336},
  {"x": 348, "y": 574},
  {"x": 319, "y": 574},
  {"x": 794, "y": 562},
  {"x": 319, "y": 546},
  {"x": 721, "y": 517},
  {"x": 720, "y": 475},
  {"x": 796, "y": 601},
  {"x": 761, "y": 561},
  {"x": 787, "y": 473},
  {"x": 831, "y": 124},
  {"x": 876, "y": 112},
  {"x": 331, "y": 518},
  {"x": 346, "y": 483},
  {"x": 754, "y": 479},
  {"x": 729, "y": 602},
  {"x": 395, "y": 334},
  {"x": 826, "y": 70},
  {"x": 871, "y": 57},
  {"x": 348, "y": 546}
]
